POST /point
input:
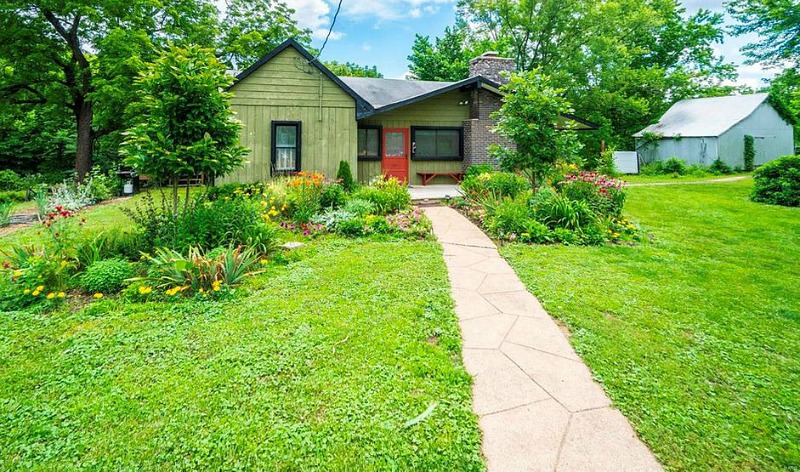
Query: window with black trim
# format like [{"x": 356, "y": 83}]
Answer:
[
  {"x": 437, "y": 144},
  {"x": 369, "y": 143},
  {"x": 286, "y": 139}
]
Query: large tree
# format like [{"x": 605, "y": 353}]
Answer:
[
  {"x": 252, "y": 28},
  {"x": 75, "y": 54},
  {"x": 777, "y": 22},
  {"x": 620, "y": 63},
  {"x": 445, "y": 59}
]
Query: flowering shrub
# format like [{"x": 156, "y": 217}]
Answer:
[
  {"x": 581, "y": 208},
  {"x": 304, "y": 193},
  {"x": 604, "y": 195}
]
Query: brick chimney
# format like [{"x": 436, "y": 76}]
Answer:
[{"x": 490, "y": 65}]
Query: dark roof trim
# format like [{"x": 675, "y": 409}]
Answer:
[
  {"x": 477, "y": 81},
  {"x": 362, "y": 106}
]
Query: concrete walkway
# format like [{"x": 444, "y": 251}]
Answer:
[{"x": 539, "y": 408}]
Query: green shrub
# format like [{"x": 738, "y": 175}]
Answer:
[
  {"x": 478, "y": 169},
  {"x": 5, "y": 213},
  {"x": 778, "y": 182},
  {"x": 507, "y": 216},
  {"x": 127, "y": 244},
  {"x": 719, "y": 167},
  {"x": 557, "y": 211},
  {"x": 653, "y": 168},
  {"x": 13, "y": 196},
  {"x": 360, "y": 207},
  {"x": 496, "y": 184},
  {"x": 10, "y": 180},
  {"x": 106, "y": 276},
  {"x": 199, "y": 271},
  {"x": 673, "y": 165},
  {"x": 388, "y": 195},
  {"x": 208, "y": 224},
  {"x": 749, "y": 152},
  {"x": 333, "y": 196},
  {"x": 345, "y": 176}
]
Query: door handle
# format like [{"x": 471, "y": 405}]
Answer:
[{"x": 413, "y": 147}]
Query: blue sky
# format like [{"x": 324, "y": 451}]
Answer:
[{"x": 381, "y": 32}]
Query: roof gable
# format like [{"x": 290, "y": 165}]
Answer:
[
  {"x": 705, "y": 117},
  {"x": 362, "y": 106}
]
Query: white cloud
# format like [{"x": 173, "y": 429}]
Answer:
[
  {"x": 366, "y": 47},
  {"x": 415, "y": 13},
  {"x": 314, "y": 15}
]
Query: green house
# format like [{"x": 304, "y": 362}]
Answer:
[{"x": 298, "y": 116}]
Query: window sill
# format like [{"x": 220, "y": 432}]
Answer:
[
  {"x": 368, "y": 158},
  {"x": 422, "y": 159}
]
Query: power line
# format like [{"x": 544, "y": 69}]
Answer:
[{"x": 330, "y": 30}]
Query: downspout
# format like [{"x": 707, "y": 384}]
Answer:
[{"x": 320, "y": 97}]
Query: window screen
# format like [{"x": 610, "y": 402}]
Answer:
[
  {"x": 286, "y": 147},
  {"x": 369, "y": 140},
  {"x": 437, "y": 143}
]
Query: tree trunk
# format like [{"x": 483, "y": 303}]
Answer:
[{"x": 84, "y": 114}]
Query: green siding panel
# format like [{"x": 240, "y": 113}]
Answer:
[
  {"x": 443, "y": 110},
  {"x": 286, "y": 89}
]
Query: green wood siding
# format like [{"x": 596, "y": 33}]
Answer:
[
  {"x": 287, "y": 89},
  {"x": 443, "y": 110}
]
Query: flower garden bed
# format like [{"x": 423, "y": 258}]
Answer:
[{"x": 575, "y": 208}]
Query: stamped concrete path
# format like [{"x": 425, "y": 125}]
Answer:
[{"x": 539, "y": 408}]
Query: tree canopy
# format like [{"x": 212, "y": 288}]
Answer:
[
  {"x": 621, "y": 64},
  {"x": 777, "y": 22}
]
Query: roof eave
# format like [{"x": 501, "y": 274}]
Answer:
[{"x": 478, "y": 81}]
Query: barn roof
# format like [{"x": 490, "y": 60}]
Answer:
[{"x": 705, "y": 117}]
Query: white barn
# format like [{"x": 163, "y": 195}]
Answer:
[{"x": 701, "y": 130}]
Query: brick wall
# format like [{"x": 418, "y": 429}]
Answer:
[{"x": 477, "y": 129}]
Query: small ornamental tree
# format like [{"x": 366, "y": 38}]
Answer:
[
  {"x": 186, "y": 126},
  {"x": 345, "y": 175},
  {"x": 530, "y": 117},
  {"x": 749, "y": 152}
]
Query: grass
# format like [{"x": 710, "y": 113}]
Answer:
[
  {"x": 318, "y": 364},
  {"x": 648, "y": 179},
  {"x": 98, "y": 217},
  {"x": 696, "y": 336}
]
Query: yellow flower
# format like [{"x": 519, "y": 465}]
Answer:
[
  {"x": 616, "y": 235},
  {"x": 201, "y": 290},
  {"x": 98, "y": 295},
  {"x": 264, "y": 261},
  {"x": 263, "y": 203},
  {"x": 61, "y": 295},
  {"x": 144, "y": 290},
  {"x": 216, "y": 285},
  {"x": 36, "y": 293},
  {"x": 26, "y": 291},
  {"x": 40, "y": 288},
  {"x": 51, "y": 295},
  {"x": 17, "y": 273}
]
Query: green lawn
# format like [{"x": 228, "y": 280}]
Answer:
[
  {"x": 649, "y": 179},
  {"x": 696, "y": 336},
  {"x": 318, "y": 364}
]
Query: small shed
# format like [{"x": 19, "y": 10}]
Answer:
[{"x": 702, "y": 130}]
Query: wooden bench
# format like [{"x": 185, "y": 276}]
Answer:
[{"x": 428, "y": 176}]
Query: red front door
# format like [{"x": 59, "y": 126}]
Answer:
[{"x": 395, "y": 153}]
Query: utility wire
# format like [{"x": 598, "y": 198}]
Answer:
[{"x": 330, "y": 30}]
